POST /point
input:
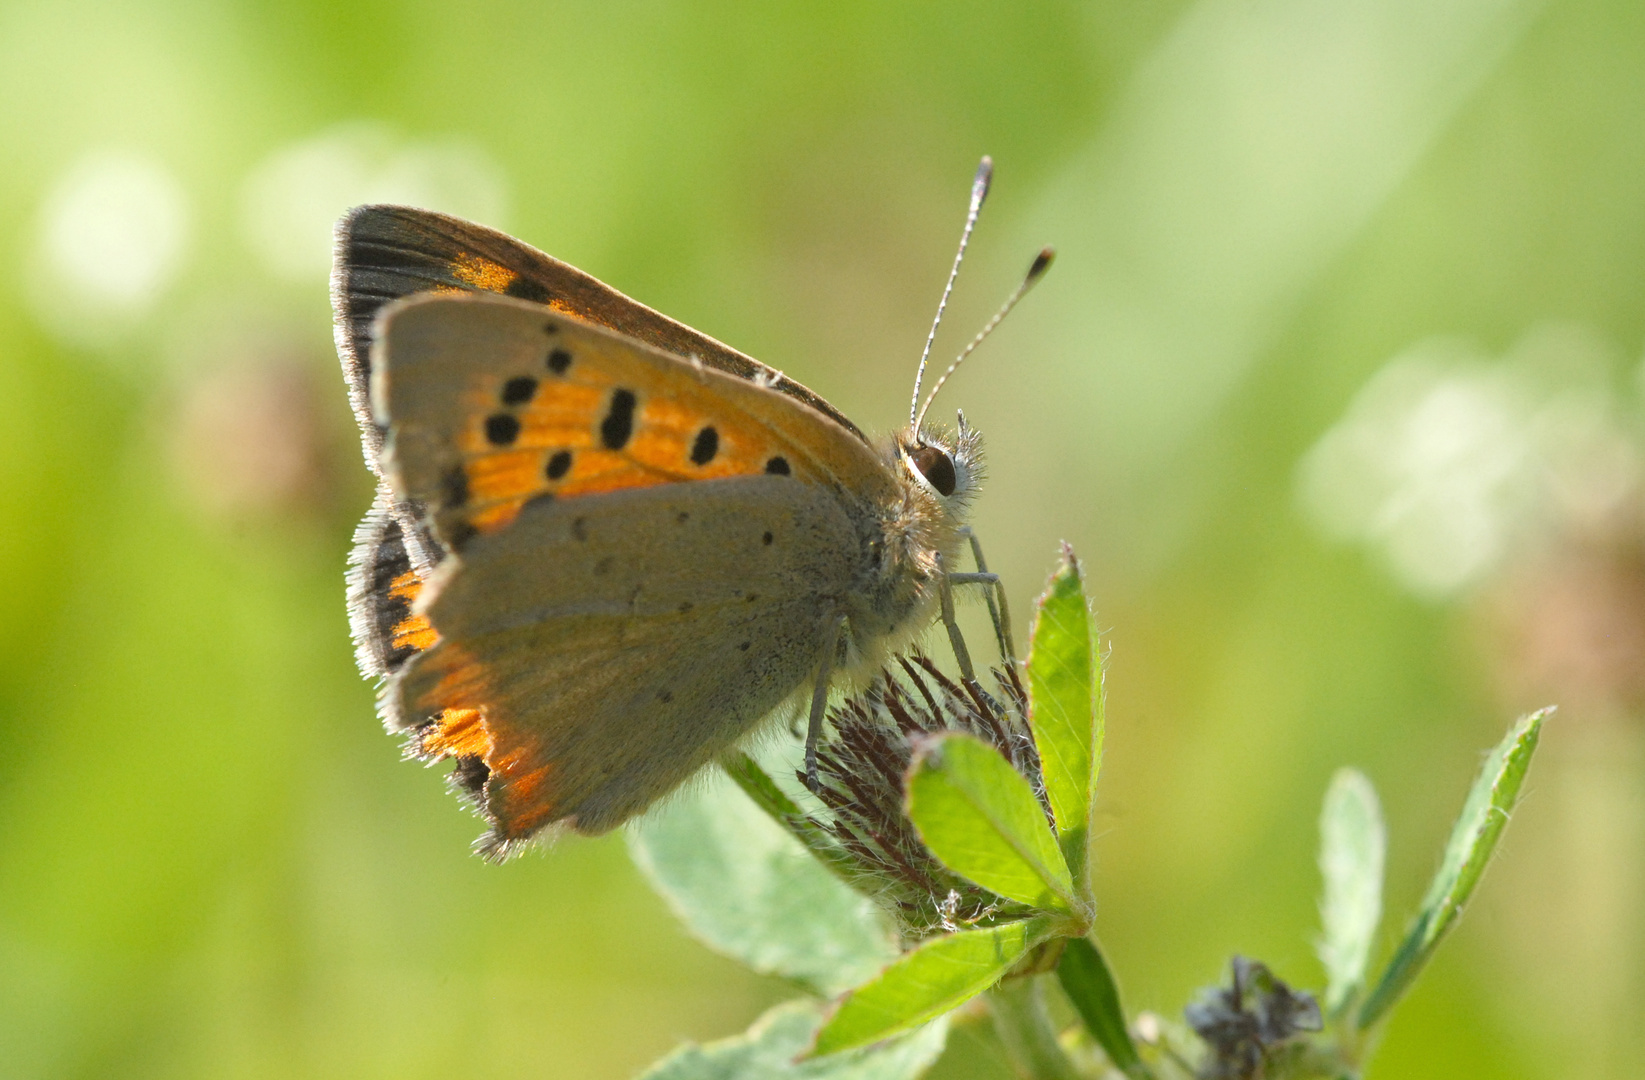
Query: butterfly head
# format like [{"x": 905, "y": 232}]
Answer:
[
  {"x": 937, "y": 470},
  {"x": 942, "y": 464}
]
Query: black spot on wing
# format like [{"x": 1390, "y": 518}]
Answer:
[
  {"x": 618, "y": 424},
  {"x": 502, "y": 429},
  {"x": 559, "y": 360},
  {"x": 705, "y": 446},
  {"x": 519, "y": 390},
  {"x": 559, "y": 465},
  {"x": 777, "y": 466}
]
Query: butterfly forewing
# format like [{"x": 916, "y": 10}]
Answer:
[
  {"x": 494, "y": 402},
  {"x": 384, "y": 253}
]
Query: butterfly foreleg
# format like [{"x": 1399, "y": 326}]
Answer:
[
  {"x": 998, "y": 610},
  {"x": 990, "y": 580},
  {"x": 819, "y": 700},
  {"x": 956, "y": 640}
]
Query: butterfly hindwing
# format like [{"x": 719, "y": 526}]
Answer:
[
  {"x": 591, "y": 675},
  {"x": 386, "y": 574},
  {"x": 384, "y": 253}
]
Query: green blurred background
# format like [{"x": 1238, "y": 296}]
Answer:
[{"x": 1335, "y": 388}]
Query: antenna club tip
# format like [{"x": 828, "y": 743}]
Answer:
[
  {"x": 984, "y": 179},
  {"x": 1042, "y": 263}
]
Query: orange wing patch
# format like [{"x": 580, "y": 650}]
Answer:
[
  {"x": 511, "y": 790},
  {"x": 521, "y": 804},
  {"x": 455, "y": 733},
  {"x": 481, "y": 273},
  {"x": 576, "y": 429},
  {"x": 414, "y": 631}
]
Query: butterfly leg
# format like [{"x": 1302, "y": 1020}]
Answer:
[
  {"x": 993, "y": 582},
  {"x": 819, "y": 701},
  {"x": 997, "y": 607},
  {"x": 956, "y": 640}
]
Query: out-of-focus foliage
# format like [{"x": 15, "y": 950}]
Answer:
[
  {"x": 741, "y": 885},
  {"x": 1334, "y": 387}
]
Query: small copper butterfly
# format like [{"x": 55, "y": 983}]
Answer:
[{"x": 605, "y": 546}]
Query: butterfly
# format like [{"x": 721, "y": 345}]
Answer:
[{"x": 605, "y": 546}]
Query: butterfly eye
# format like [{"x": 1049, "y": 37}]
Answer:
[{"x": 936, "y": 466}]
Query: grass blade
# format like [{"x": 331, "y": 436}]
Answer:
[{"x": 1473, "y": 839}]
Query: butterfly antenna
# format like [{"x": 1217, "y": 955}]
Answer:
[
  {"x": 1042, "y": 263},
  {"x": 979, "y": 192}
]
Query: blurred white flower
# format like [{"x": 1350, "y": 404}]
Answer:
[
  {"x": 111, "y": 236},
  {"x": 1447, "y": 458},
  {"x": 292, "y": 199}
]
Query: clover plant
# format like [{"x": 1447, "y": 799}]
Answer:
[{"x": 941, "y": 864}]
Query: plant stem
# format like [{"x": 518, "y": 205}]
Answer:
[{"x": 1020, "y": 1019}]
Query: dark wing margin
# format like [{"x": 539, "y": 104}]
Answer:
[
  {"x": 385, "y": 252},
  {"x": 385, "y": 574}
]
